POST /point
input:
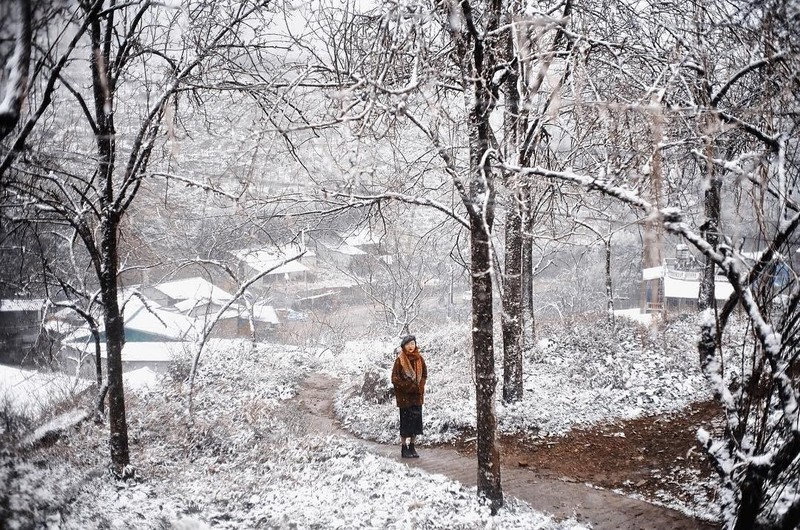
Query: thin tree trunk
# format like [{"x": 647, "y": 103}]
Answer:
[
  {"x": 109, "y": 256},
  {"x": 711, "y": 234},
  {"x": 512, "y": 307},
  {"x": 609, "y": 285},
  {"x": 529, "y": 316},
  {"x": 102, "y": 389}
]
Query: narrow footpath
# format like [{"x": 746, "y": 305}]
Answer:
[{"x": 599, "y": 508}]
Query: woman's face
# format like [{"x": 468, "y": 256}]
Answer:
[{"x": 410, "y": 346}]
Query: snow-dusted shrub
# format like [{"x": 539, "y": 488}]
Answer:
[
  {"x": 579, "y": 373},
  {"x": 377, "y": 387},
  {"x": 13, "y": 423}
]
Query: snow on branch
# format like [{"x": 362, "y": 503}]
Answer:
[
  {"x": 196, "y": 184},
  {"x": 735, "y": 270},
  {"x": 409, "y": 199},
  {"x": 719, "y": 94}
]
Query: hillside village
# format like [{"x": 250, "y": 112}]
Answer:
[{"x": 166, "y": 318}]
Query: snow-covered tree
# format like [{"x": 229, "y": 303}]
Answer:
[{"x": 89, "y": 162}]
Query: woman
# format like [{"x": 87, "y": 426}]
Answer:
[{"x": 408, "y": 377}]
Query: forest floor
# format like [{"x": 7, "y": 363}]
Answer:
[{"x": 655, "y": 458}]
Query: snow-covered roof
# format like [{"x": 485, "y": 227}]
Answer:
[
  {"x": 342, "y": 248},
  {"x": 265, "y": 259},
  {"x": 265, "y": 313},
  {"x": 652, "y": 273},
  {"x": 187, "y": 305},
  {"x": 155, "y": 320},
  {"x": 30, "y": 393},
  {"x": 153, "y": 351},
  {"x": 148, "y": 319},
  {"x": 140, "y": 379},
  {"x": 364, "y": 236},
  {"x": 136, "y": 291},
  {"x": 690, "y": 290},
  {"x": 195, "y": 289},
  {"x": 21, "y": 304}
]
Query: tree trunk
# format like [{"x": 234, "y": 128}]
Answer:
[
  {"x": 512, "y": 307},
  {"x": 489, "y": 484},
  {"x": 109, "y": 257},
  {"x": 115, "y": 340},
  {"x": 98, "y": 370},
  {"x": 609, "y": 285},
  {"x": 512, "y": 319},
  {"x": 481, "y": 221},
  {"x": 653, "y": 230},
  {"x": 711, "y": 234},
  {"x": 529, "y": 316}
]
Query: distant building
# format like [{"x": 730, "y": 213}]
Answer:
[
  {"x": 193, "y": 296},
  {"x": 259, "y": 260},
  {"x": 146, "y": 321},
  {"x": 675, "y": 285},
  {"x": 78, "y": 357},
  {"x": 21, "y": 323}
]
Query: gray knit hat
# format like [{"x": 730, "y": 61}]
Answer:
[{"x": 405, "y": 340}]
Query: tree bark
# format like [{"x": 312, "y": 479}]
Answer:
[
  {"x": 481, "y": 221},
  {"x": 512, "y": 307},
  {"x": 512, "y": 318},
  {"x": 478, "y": 63},
  {"x": 711, "y": 234},
  {"x": 109, "y": 256},
  {"x": 609, "y": 284},
  {"x": 115, "y": 340},
  {"x": 528, "y": 313},
  {"x": 489, "y": 483}
]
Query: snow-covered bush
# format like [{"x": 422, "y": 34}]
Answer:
[{"x": 579, "y": 373}]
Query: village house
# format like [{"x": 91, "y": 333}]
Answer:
[
  {"x": 78, "y": 356},
  {"x": 675, "y": 285},
  {"x": 259, "y": 260},
  {"x": 21, "y": 323},
  {"x": 145, "y": 322}
]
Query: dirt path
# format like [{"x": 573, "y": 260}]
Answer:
[{"x": 600, "y": 508}]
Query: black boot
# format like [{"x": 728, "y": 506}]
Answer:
[
  {"x": 405, "y": 451},
  {"x": 412, "y": 451}
]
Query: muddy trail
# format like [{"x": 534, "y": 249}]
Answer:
[{"x": 561, "y": 497}]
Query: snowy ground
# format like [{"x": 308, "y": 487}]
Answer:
[
  {"x": 27, "y": 394},
  {"x": 245, "y": 462},
  {"x": 578, "y": 375}
]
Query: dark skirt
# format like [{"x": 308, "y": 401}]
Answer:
[{"x": 411, "y": 421}]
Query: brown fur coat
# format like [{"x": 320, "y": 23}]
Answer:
[{"x": 409, "y": 375}]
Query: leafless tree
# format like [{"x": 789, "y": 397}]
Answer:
[
  {"x": 757, "y": 455},
  {"x": 125, "y": 44}
]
